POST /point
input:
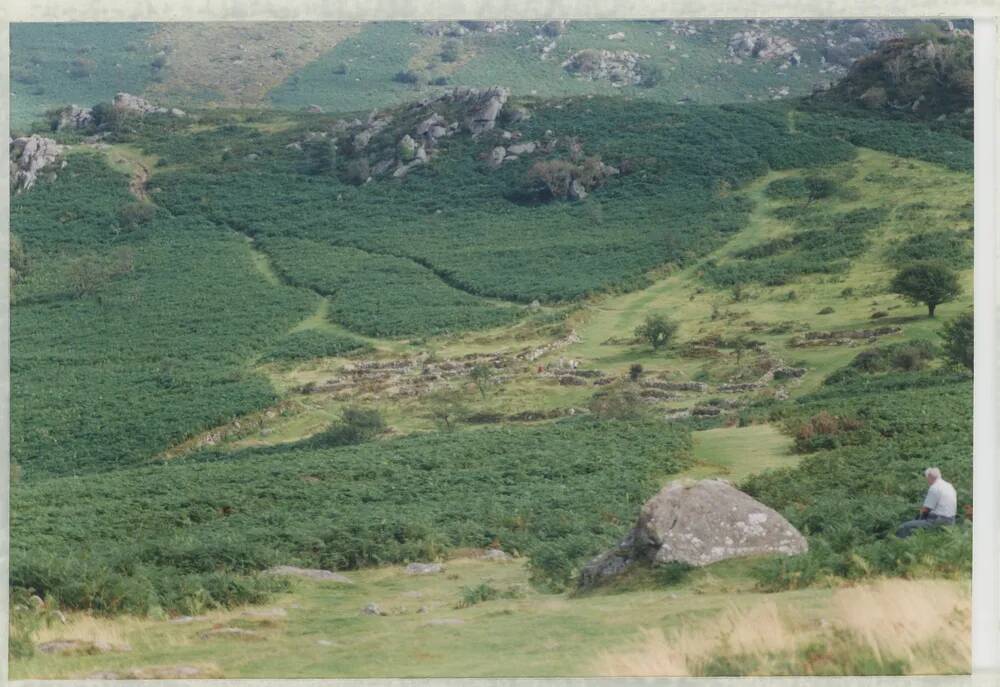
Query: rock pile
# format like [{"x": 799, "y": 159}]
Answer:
[
  {"x": 697, "y": 524},
  {"x": 29, "y": 155}
]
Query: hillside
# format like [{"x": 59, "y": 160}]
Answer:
[
  {"x": 346, "y": 66},
  {"x": 406, "y": 326}
]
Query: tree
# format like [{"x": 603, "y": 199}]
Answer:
[
  {"x": 446, "y": 407},
  {"x": 819, "y": 188},
  {"x": 87, "y": 274},
  {"x": 657, "y": 330},
  {"x": 928, "y": 282},
  {"x": 482, "y": 375},
  {"x": 740, "y": 344},
  {"x": 958, "y": 339}
]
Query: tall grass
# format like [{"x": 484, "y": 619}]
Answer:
[{"x": 889, "y": 626}]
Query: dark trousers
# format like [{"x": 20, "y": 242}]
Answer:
[{"x": 911, "y": 526}]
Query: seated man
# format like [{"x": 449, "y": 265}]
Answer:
[{"x": 938, "y": 508}]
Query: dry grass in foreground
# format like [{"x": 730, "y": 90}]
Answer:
[{"x": 887, "y": 627}]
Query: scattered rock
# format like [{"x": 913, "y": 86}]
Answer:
[
  {"x": 81, "y": 646},
  {"x": 424, "y": 568},
  {"x": 620, "y": 67},
  {"x": 697, "y": 524},
  {"x": 230, "y": 632},
  {"x": 496, "y": 555},
  {"x": 497, "y": 155},
  {"x": 309, "y": 573},
  {"x": 179, "y": 672},
  {"x": 700, "y": 387},
  {"x": 265, "y": 614},
  {"x": 789, "y": 372},
  {"x": 522, "y": 148}
]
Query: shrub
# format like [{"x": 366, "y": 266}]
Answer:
[
  {"x": 618, "y": 404},
  {"x": 135, "y": 215},
  {"x": 824, "y": 431},
  {"x": 81, "y": 68},
  {"x": 408, "y": 77},
  {"x": 657, "y": 331},
  {"x": 470, "y": 596},
  {"x": 959, "y": 343},
  {"x": 356, "y": 425},
  {"x": 650, "y": 74},
  {"x": 635, "y": 371},
  {"x": 451, "y": 50}
]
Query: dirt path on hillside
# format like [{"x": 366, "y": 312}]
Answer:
[{"x": 139, "y": 181}]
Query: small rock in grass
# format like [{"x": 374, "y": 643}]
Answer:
[
  {"x": 309, "y": 573},
  {"x": 266, "y": 613},
  {"x": 496, "y": 555},
  {"x": 372, "y": 609},
  {"x": 238, "y": 632},
  {"x": 424, "y": 568}
]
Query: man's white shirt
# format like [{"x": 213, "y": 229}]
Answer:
[{"x": 941, "y": 499}]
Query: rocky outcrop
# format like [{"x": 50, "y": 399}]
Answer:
[
  {"x": 760, "y": 45},
  {"x": 456, "y": 29},
  {"x": 620, "y": 67},
  {"x": 482, "y": 106},
  {"x": 75, "y": 117},
  {"x": 697, "y": 524},
  {"x": 30, "y": 155},
  {"x": 126, "y": 102}
]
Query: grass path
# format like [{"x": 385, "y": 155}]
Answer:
[{"x": 736, "y": 453}]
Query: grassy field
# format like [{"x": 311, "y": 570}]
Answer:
[{"x": 696, "y": 627}]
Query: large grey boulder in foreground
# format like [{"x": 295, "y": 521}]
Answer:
[{"x": 697, "y": 524}]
